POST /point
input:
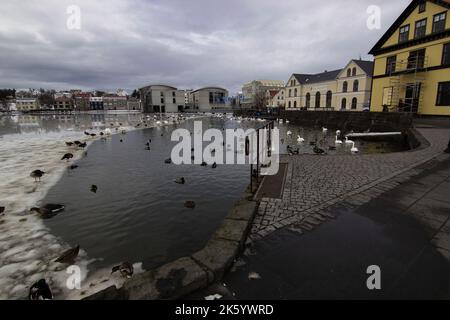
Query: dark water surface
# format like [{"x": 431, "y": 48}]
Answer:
[{"x": 138, "y": 212}]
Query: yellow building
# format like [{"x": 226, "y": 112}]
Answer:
[{"x": 412, "y": 61}]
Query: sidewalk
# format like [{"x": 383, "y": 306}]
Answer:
[{"x": 402, "y": 227}]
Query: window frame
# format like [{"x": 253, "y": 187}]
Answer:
[
  {"x": 344, "y": 104},
  {"x": 345, "y": 87},
  {"x": 433, "y": 30},
  {"x": 400, "y": 33},
  {"x": 317, "y": 100},
  {"x": 308, "y": 100},
  {"x": 354, "y": 103},
  {"x": 446, "y": 45},
  {"x": 438, "y": 91},
  {"x": 425, "y": 28},
  {"x": 387, "y": 64},
  {"x": 356, "y": 84}
]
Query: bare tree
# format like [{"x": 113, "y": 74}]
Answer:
[{"x": 260, "y": 100}]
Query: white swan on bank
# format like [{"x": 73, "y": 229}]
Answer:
[
  {"x": 300, "y": 139},
  {"x": 354, "y": 149},
  {"x": 347, "y": 141}
]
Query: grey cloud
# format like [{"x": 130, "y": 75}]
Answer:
[{"x": 189, "y": 44}]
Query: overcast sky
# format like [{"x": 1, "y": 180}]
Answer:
[{"x": 188, "y": 44}]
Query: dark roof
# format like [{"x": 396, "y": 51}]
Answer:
[
  {"x": 209, "y": 88},
  {"x": 401, "y": 18},
  {"x": 319, "y": 77},
  {"x": 367, "y": 66}
]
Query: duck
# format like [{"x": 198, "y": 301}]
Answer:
[
  {"x": 49, "y": 210},
  {"x": 87, "y": 133},
  {"x": 214, "y": 165},
  {"x": 69, "y": 256},
  {"x": 354, "y": 149},
  {"x": 94, "y": 188},
  {"x": 300, "y": 139},
  {"x": 82, "y": 145},
  {"x": 2, "y": 209},
  {"x": 168, "y": 161},
  {"x": 67, "y": 156},
  {"x": 204, "y": 164},
  {"x": 180, "y": 180},
  {"x": 125, "y": 268},
  {"x": 69, "y": 144},
  {"x": 37, "y": 174},
  {"x": 40, "y": 291},
  {"x": 73, "y": 167},
  {"x": 93, "y": 135},
  {"x": 318, "y": 150},
  {"x": 189, "y": 204}
]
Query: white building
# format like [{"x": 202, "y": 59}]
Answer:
[
  {"x": 209, "y": 99},
  {"x": 162, "y": 98},
  {"x": 27, "y": 104}
]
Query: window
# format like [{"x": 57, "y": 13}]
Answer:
[
  {"x": 345, "y": 86},
  {"x": 446, "y": 54},
  {"x": 174, "y": 100},
  {"x": 295, "y": 92},
  {"x": 289, "y": 104},
  {"x": 416, "y": 59},
  {"x": 308, "y": 100},
  {"x": 344, "y": 104},
  {"x": 295, "y": 104},
  {"x": 422, "y": 6},
  {"x": 173, "y": 94},
  {"x": 317, "y": 102},
  {"x": 356, "y": 85},
  {"x": 354, "y": 103},
  {"x": 439, "y": 22},
  {"x": 390, "y": 64},
  {"x": 443, "y": 94},
  {"x": 354, "y": 72},
  {"x": 162, "y": 100},
  {"x": 349, "y": 72},
  {"x": 290, "y": 93},
  {"x": 329, "y": 98},
  {"x": 404, "y": 34},
  {"x": 421, "y": 28}
]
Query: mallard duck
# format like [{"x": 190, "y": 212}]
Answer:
[
  {"x": 69, "y": 144},
  {"x": 94, "y": 188},
  {"x": 180, "y": 180},
  {"x": 214, "y": 165},
  {"x": 317, "y": 150},
  {"x": 69, "y": 256},
  {"x": 49, "y": 210},
  {"x": 40, "y": 291},
  {"x": 126, "y": 269},
  {"x": 82, "y": 145},
  {"x": 37, "y": 174},
  {"x": 67, "y": 156},
  {"x": 168, "y": 161}
]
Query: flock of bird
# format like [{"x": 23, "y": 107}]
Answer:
[{"x": 316, "y": 148}]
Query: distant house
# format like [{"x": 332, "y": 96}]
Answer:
[
  {"x": 255, "y": 91},
  {"x": 27, "y": 104},
  {"x": 114, "y": 102},
  {"x": 134, "y": 104},
  {"x": 82, "y": 101},
  {"x": 346, "y": 89},
  {"x": 208, "y": 99},
  {"x": 64, "y": 103}
]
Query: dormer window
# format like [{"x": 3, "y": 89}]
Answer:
[
  {"x": 421, "y": 27},
  {"x": 422, "y": 6},
  {"x": 404, "y": 34}
]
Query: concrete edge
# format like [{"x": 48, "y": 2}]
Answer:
[{"x": 178, "y": 278}]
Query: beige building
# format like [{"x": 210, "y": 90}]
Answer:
[
  {"x": 64, "y": 103},
  {"x": 162, "y": 98},
  {"x": 208, "y": 99},
  {"x": 134, "y": 104},
  {"x": 254, "y": 92},
  {"x": 342, "y": 89},
  {"x": 27, "y": 104}
]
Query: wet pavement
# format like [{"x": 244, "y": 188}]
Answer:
[{"x": 405, "y": 231}]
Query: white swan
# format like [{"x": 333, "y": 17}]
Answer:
[
  {"x": 324, "y": 129},
  {"x": 287, "y": 122},
  {"x": 354, "y": 149},
  {"x": 300, "y": 139},
  {"x": 337, "y": 140},
  {"x": 289, "y": 133},
  {"x": 347, "y": 141}
]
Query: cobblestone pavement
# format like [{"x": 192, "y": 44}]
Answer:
[{"x": 314, "y": 183}]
